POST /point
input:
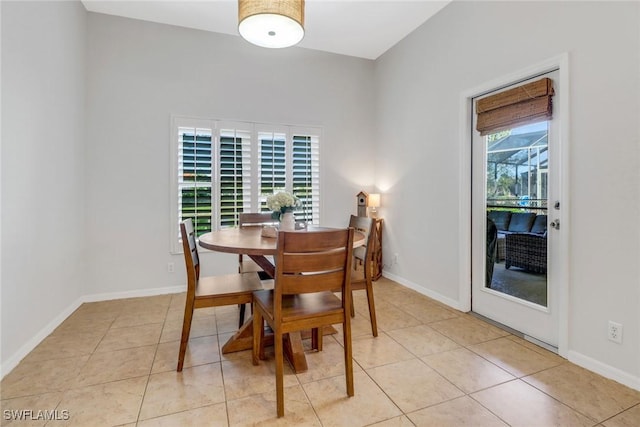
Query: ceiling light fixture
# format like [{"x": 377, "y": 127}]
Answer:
[{"x": 271, "y": 23}]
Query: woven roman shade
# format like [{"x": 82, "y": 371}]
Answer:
[{"x": 527, "y": 103}]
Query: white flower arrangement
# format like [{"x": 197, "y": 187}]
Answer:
[{"x": 282, "y": 202}]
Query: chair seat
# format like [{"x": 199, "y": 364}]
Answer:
[
  {"x": 230, "y": 285},
  {"x": 302, "y": 306}
]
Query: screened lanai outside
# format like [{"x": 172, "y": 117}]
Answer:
[
  {"x": 517, "y": 170},
  {"x": 517, "y": 166}
]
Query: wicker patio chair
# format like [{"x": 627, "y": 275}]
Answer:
[{"x": 527, "y": 251}]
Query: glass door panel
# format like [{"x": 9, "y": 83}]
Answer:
[{"x": 516, "y": 204}]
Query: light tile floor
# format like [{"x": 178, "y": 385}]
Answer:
[{"x": 113, "y": 363}]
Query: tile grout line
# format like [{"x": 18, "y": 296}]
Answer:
[{"x": 146, "y": 386}]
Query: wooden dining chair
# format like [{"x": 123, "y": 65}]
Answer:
[
  {"x": 362, "y": 266},
  {"x": 246, "y": 264},
  {"x": 211, "y": 291},
  {"x": 309, "y": 266},
  {"x": 252, "y": 219}
]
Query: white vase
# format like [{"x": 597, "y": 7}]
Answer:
[{"x": 287, "y": 222}]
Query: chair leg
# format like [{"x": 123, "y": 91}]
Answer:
[
  {"x": 372, "y": 309},
  {"x": 316, "y": 338},
  {"x": 278, "y": 346},
  {"x": 353, "y": 309},
  {"x": 261, "y": 347},
  {"x": 186, "y": 330},
  {"x": 348, "y": 355},
  {"x": 242, "y": 312},
  {"x": 257, "y": 351}
]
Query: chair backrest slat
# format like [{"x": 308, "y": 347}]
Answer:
[
  {"x": 320, "y": 241},
  {"x": 311, "y": 261},
  {"x": 307, "y": 283}
]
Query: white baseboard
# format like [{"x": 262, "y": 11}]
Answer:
[
  {"x": 579, "y": 359},
  {"x": 134, "y": 294},
  {"x": 13, "y": 361},
  {"x": 603, "y": 369},
  {"x": 426, "y": 292}
]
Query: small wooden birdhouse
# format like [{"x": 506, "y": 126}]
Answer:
[{"x": 362, "y": 201}]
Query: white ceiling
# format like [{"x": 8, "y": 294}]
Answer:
[{"x": 361, "y": 28}]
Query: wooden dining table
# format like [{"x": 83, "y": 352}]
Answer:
[{"x": 249, "y": 241}]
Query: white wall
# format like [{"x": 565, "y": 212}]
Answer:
[
  {"x": 419, "y": 86},
  {"x": 141, "y": 73},
  {"x": 43, "y": 239}
]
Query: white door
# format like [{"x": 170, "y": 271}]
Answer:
[{"x": 516, "y": 174}]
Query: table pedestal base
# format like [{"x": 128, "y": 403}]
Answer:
[{"x": 293, "y": 347}]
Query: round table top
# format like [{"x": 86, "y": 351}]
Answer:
[{"x": 249, "y": 241}]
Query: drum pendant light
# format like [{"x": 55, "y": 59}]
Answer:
[{"x": 271, "y": 23}]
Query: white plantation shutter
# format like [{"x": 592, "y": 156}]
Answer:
[
  {"x": 235, "y": 174},
  {"x": 273, "y": 162},
  {"x": 306, "y": 176},
  {"x": 195, "y": 146}
]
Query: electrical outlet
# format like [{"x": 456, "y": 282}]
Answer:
[
  {"x": 615, "y": 332},
  {"x": 395, "y": 258},
  {"x": 171, "y": 267}
]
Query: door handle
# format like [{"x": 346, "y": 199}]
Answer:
[{"x": 555, "y": 224}]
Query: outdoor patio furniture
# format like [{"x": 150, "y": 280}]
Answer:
[
  {"x": 509, "y": 222},
  {"x": 527, "y": 251}
]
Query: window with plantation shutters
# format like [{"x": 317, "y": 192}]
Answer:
[{"x": 221, "y": 169}]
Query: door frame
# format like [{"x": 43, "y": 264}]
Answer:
[{"x": 560, "y": 273}]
